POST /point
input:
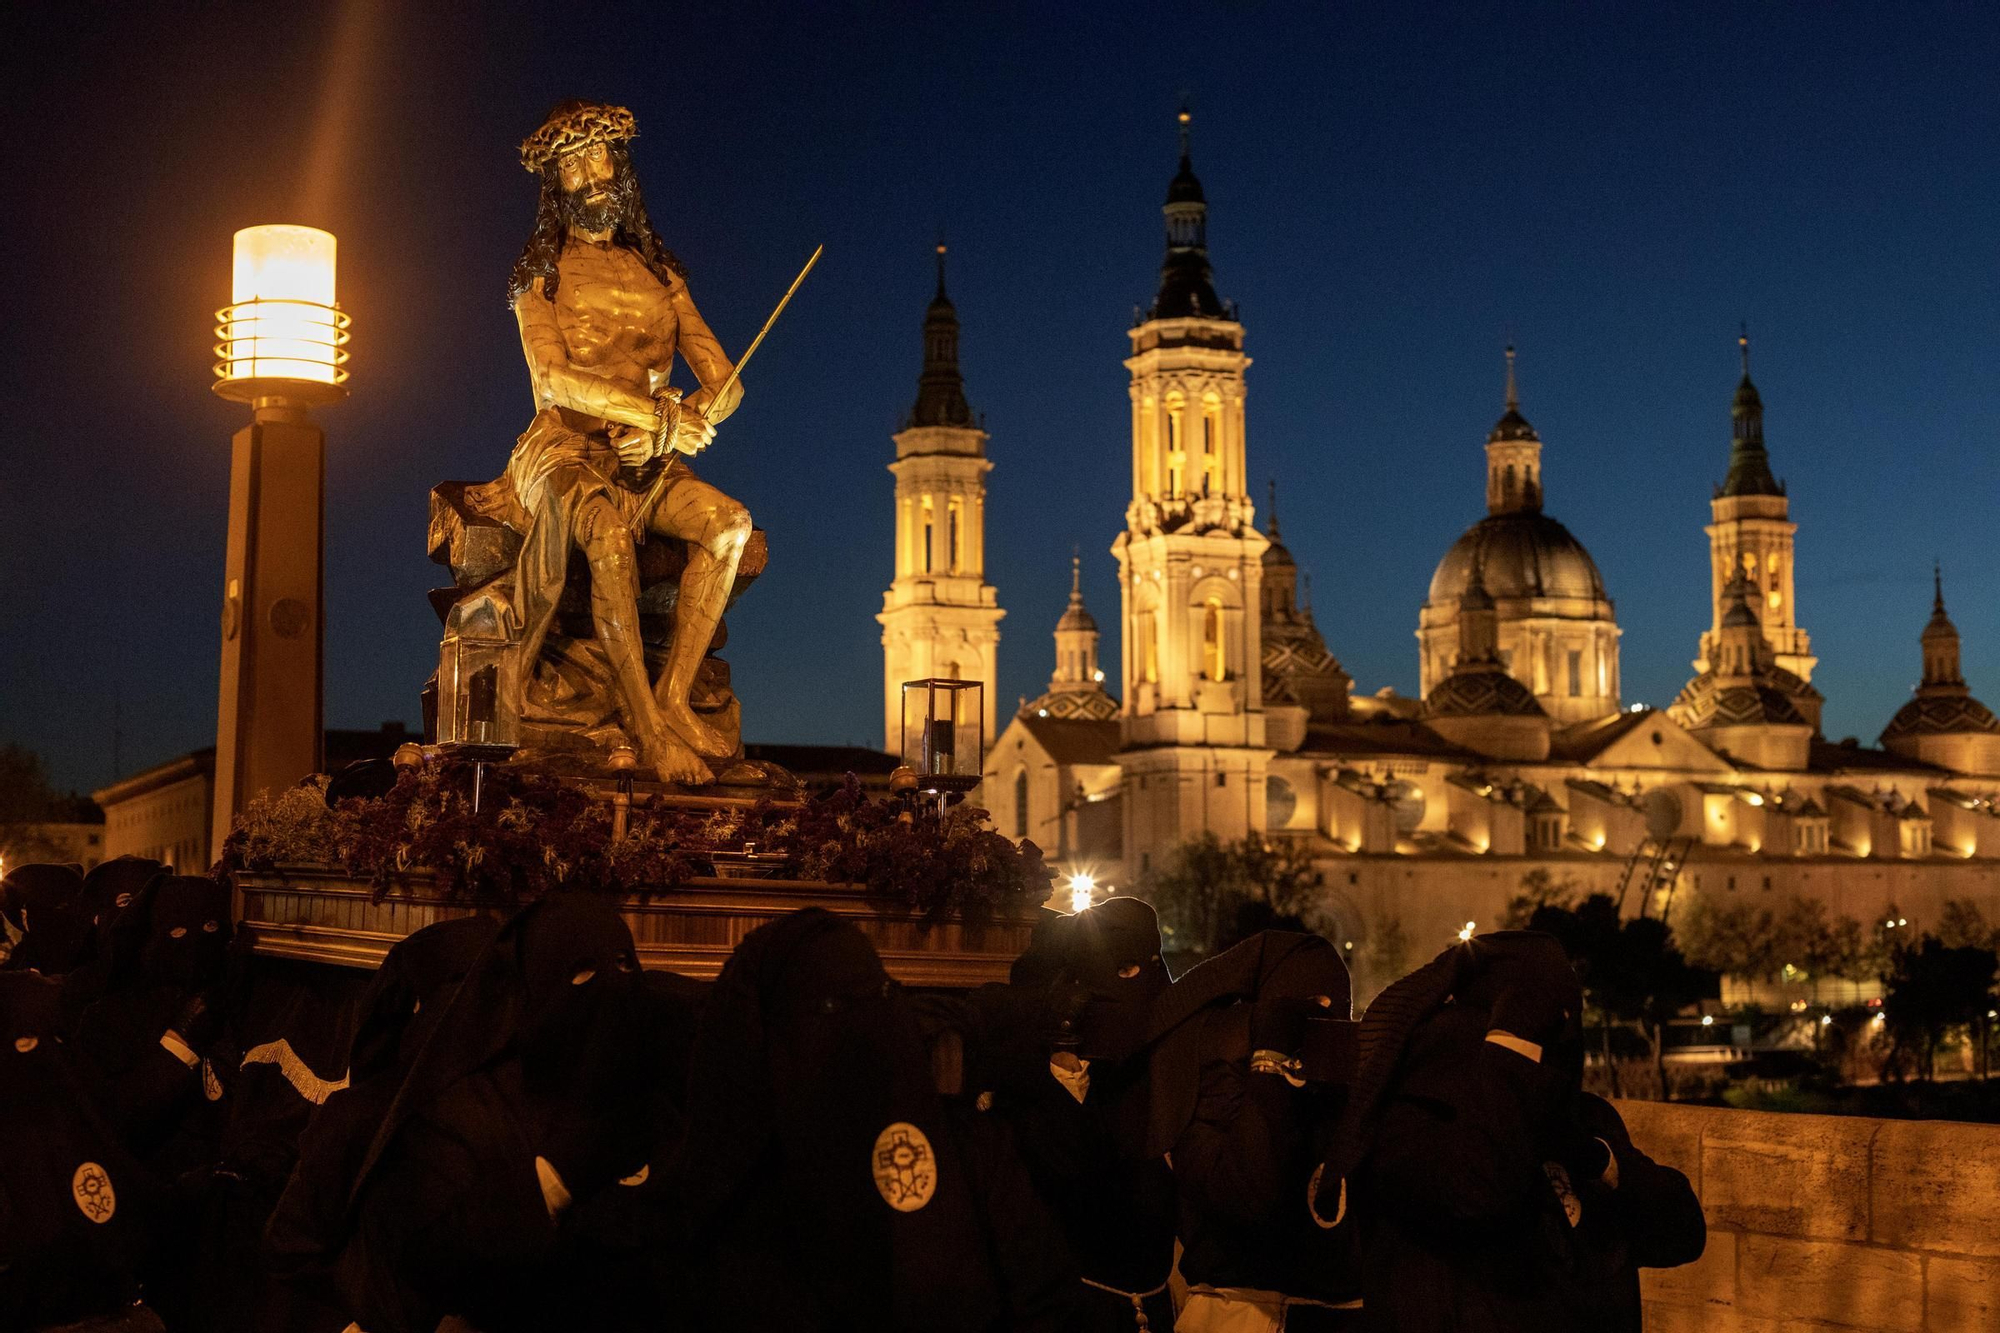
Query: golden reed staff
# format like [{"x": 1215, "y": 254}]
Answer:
[{"x": 659, "y": 485}]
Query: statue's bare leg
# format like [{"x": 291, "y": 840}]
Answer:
[
  {"x": 715, "y": 528},
  {"x": 614, "y": 610}
]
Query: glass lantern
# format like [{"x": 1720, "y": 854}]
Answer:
[
  {"x": 944, "y": 733},
  {"x": 478, "y": 667}
]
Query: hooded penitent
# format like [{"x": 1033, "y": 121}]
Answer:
[
  {"x": 109, "y": 890},
  {"x": 74, "y": 1208},
  {"x": 404, "y": 1000},
  {"x": 822, "y": 1183},
  {"x": 144, "y": 1037},
  {"x": 1478, "y": 1171},
  {"x": 1078, "y": 1124},
  {"x": 45, "y": 902},
  {"x": 1250, "y": 1129},
  {"x": 524, "y": 1101}
]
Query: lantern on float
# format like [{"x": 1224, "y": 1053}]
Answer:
[{"x": 944, "y": 734}]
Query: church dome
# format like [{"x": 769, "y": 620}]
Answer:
[
  {"x": 1523, "y": 554},
  {"x": 1512, "y": 426},
  {"x": 1941, "y": 715},
  {"x": 1076, "y": 617},
  {"x": 1491, "y": 693}
]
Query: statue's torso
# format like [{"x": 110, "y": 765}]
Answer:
[{"x": 615, "y": 317}]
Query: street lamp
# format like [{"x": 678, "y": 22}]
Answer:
[{"x": 281, "y": 347}]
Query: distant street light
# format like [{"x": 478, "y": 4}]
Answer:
[{"x": 281, "y": 347}]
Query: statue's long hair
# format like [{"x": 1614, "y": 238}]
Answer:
[{"x": 634, "y": 231}]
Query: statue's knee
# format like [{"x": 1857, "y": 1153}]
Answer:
[
  {"x": 729, "y": 530},
  {"x": 606, "y": 540}
]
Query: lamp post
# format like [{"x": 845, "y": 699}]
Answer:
[{"x": 281, "y": 347}]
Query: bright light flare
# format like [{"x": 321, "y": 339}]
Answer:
[
  {"x": 1465, "y": 933},
  {"x": 1081, "y": 886},
  {"x": 1708, "y": 1020}
]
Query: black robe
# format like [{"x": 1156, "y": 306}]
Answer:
[
  {"x": 823, "y": 1184},
  {"x": 531, "y": 1096},
  {"x": 1089, "y": 1159},
  {"x": 1467, "y": 1175},
  {"x": 77, "y": 1213},
  {"x": 1248, "y": 1159}
]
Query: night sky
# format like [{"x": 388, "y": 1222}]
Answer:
[{"x": 1393, "y": 194}]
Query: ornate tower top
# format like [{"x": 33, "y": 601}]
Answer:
[
  {"x": 1749, "y": 465},
  {"x": 1513, "y": 457},
  {"x": 1076, "y": 687},
  {"x": 1940, "y": 641},
  {"x": 940, "y": 388},
  {"x": 1187, "y": 284}
]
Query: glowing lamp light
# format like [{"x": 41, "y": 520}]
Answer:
[
  {"x": 1708, "y": 1020},
  {"x": 283, "y": 335},
  {"x": 1466, "y": 932},
  {"x": 1826, "y": 1020},
  {"x": 1081, "y": 886}
]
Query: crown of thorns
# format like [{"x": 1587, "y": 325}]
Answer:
[{"x": 574, "y": 126}]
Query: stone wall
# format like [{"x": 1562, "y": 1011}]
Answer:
[{"x": 1821, "y": 1223}]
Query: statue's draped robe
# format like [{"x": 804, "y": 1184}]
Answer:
[{"x": 553, "y": 473}]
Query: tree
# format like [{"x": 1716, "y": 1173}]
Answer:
[
  {"x": 1539, "y": 888},
  {"x": 1811, "y": 944},
  {"x": 1732, "y": 936},
  {"x": 1631, "y": 971},
  {"x": 1214, "y": 893},
  {"x": 1962, "y": 925},
  {"x": 27, "y": 801},
  {"x": 1934, "y": 987},
  {"x": 1386, "y": 957}
]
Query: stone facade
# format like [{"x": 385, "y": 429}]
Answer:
[{"x": 1828, "y": 1222}]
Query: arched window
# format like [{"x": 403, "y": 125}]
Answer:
[
  {"x": 1215, "y": 656},
  {"x": 955, "y": 534},
  {"x": 1021, "y": 803},
  {"x": 930, "y": 530}
]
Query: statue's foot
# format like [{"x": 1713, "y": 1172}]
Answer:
[
  {"x": 675, "y": 762},
  {"x": 704, "y": 739}
]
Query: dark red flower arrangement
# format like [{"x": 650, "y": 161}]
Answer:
[{"x": 534, "y": 834}]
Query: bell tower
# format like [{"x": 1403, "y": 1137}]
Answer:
[
  {"x": 1190, "y": 565},
  {"x": 939, "y": 616},
  {"x": 1751, "y": 536}
]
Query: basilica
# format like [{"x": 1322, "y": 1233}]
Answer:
[{"x": 1232, "y": 715}]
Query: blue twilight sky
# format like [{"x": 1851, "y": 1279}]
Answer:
[{"x": 1394, "y": 191}]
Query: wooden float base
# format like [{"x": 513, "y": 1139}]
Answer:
[{"x": 321, "y": 916}]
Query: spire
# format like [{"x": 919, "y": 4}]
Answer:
[
  {"x": 1077, "y": 616},
  {"x": 1273, "y": 534},
  {"x": 1940, "y": 639},
  {"x": 1513, "y": 456},
  {"x": 1076, "y": 687},
  {"x": 941, "y": 389},
  {"x": 1187, "y": 285},
  {"x": 1749, "y": 465}
]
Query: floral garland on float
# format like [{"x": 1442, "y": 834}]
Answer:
[{"x": 531, "y": 834}]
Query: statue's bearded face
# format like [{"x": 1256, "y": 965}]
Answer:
[{"x": 597, "y": 187}]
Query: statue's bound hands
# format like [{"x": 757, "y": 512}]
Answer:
[
  {"x": 634, "y": 445},
  {"x": 692, "y": 433}
]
